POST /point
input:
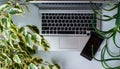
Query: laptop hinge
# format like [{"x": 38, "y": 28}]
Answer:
[{"x": 68, "y": 6}]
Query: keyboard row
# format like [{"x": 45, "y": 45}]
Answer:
[
  {"x": 67, "y": 25},
  {"x": 64, "y": 32},
  {"x": 66, "y": 16}
]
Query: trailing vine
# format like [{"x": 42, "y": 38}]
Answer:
[{"x": 110, "y": 34}]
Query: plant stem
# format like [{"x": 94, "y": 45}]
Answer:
[{"x": 117, "y": 23}]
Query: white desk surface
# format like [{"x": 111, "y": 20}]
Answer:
[{"x": 67, "y": 60}]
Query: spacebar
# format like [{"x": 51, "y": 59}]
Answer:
[{"x": 66, "y": 32}]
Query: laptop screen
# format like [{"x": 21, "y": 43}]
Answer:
[
  {"x": 82, "y": 1},
  {"x": 71, "y": 0}
]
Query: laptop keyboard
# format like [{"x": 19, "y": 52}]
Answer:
[{"x": 67, "y": 23}]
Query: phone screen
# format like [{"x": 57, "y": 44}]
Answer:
[{"x": 94, "y": 42}]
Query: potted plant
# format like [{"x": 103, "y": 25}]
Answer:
[
  {"x": 17, "y": 44},
  {"x": 110, "y": 34}
]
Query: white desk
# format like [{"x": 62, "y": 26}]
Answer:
[{"x": 67, "y": 60}]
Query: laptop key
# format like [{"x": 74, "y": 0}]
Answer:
[
  {"x": 66, "y": 32},
  {"x": 45, "y": 28},
  {"x": 44, "y": 24}
]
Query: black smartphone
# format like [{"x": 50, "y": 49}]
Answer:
[{"x": 92, "y": 46}]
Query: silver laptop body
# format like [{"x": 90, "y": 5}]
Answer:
[{"x": 67, "y": 24}]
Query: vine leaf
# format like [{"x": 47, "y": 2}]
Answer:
[
  {"x": 5, "y": 23},
  {"x": 15, "y": 11},
  {"x": 45, "y": 45},
  {"x": 16, "y": 59},
  {"x": 29, "y": 41},
  {"x": 32, "y": 66},
  {"x": 21, "y": 37},
  {"x": 33, "y": 28},
  {"x": 8, "y": 61},
  {"x": 3, "y": 7},
  {"x": 36, "y": 38},
  {"x": 37, "y": 59}
]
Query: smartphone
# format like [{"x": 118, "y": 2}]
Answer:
[{"x": 92, "y": 46}]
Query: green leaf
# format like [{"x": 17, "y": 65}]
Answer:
[
  {"x": 6, "y": 35},
  {"x": 37, "y": 59},
  {"x": 3, "y": 55},
  {"x": 32, "y": 66},
  {"x": 5, "y": 23},
  {"x": 8, "y": 61},
  {"x": 29, "y": 41},
  {"x": 4, "y": 43},
  {"x": 16, "y": 59},
  {"x": 33, "y": 28},
  {"x": 21, "y": 37},
  {"x": 15, "y": 11},
  {"x": 50, "y": 66},
  {"x": 36, "y": 38},
  {"x": 14, "y": 37},
  {"x": 3, "y": 7},
  {"x": 57, "y": 66},
  {"x": 26, "y": 5},
  {"x": 44, "y": 44},
  {"x": 1, "y": 29},
  {"x": 20, "y": 7},
  {"x": 22, "y": 29},
  {"x": 42, "y": 67},
  {"x": 11, "y": 43},
  {"x": 14, "y": 28},
  {"x": 31, "y": 50},
  {"x": 39, "y": 40}
]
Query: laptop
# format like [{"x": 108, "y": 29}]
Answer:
[{"x": 67, "y": 24}]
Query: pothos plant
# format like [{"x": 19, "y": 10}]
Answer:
[
  {"x": 17, "y": 43},
  {"x": 110, "y": 34}
]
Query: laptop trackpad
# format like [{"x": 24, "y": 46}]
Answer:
[{"x": 69, "y": 42}]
